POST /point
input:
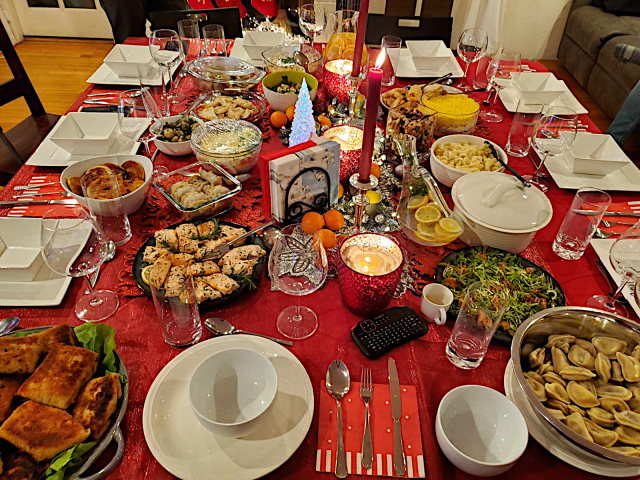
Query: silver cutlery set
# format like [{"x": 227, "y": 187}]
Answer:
[{"x": 338, "y": 383}]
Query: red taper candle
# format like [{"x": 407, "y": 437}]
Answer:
[
  {"x": 371, "y": 117},
  {"x": 362, "y": 32}
]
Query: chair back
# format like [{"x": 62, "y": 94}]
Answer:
[
  {"x": 408, "y": 28},
  {"x": 229, "y": 18}
]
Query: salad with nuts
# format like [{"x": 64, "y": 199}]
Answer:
[{"x": 180, "y": 132}]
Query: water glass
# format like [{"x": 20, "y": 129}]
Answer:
[
  {"x": 471, "y": 46},
  {"x": 312, "y": 20},
  {"x": 528, "y": 112},
  {"x": 392, "y": 46},
  {"x": 214, "y": 41},
  {"x": 480, "y": 79},
  {"x": 177, "y": 309},
  {"x": 139, "y": 117},
  {"x": 189, "y": 32},
  {"x": 484, "y": 304},
  {"x": 148, "y": 75},
  {"x": 580, "y": 223}
]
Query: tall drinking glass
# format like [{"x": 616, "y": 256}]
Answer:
[
  {"x": 528, "y": 113},
  {"x": 471, "y": 47},
  {"x": 480, "y": 79},
  {"x": 484, "y": 304},
  {"x": 136, "y": 113},
  {"x": 189, "y": 31},
  {"x": 148, "y": 75},
  {"x": 312, "y": 20},
  {"x": 580, "y": 223},
  {"x": 166, "y": 50},
  {"x": 391, "y": 45},
  {"x": 215, "y": 44},
  {"x": 499, "y": 70}
]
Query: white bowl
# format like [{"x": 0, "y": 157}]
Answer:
[
  {"x": 480, "y": 430},
  {"x": 231, "y": 390},
  {"x": 175, "y": 148},
  {"x": 542, "y": 86},
  {"x": 20, "y": 257},
  {"x": 130, "y": 202},
  {"x": 256, "y": 42},
  {"x": 595, "y": 154},
  {"x": 83, "y": 133},
  {"x": 428, "y": 54},
  {"x": 448, "y": 175},
  {"x": 124, "y": 59}
]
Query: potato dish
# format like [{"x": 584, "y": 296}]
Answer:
[
  {"x": 130, "y": 177},
  {"x": 467, "y": 157},
  {"x": 198, "y": 189},
  {"x": 223, "y": 106},
  {"x": 178, "y": 133}
]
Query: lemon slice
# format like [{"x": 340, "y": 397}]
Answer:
[
  {"x": 417, "y": 201},
  {"x": 334, "y": 52},
  {"x": 426, "y": 229},
  {"x": 432, "y": 197},
  {"x": 442, "y": 239},
  {"x": 428, "y": 214},
  {"x": 146, "y": 273},
  {"x": 449, "y": 225}
]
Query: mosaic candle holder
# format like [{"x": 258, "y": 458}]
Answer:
[
  {"x": 337, "y": 80},
  {"x": 350, "y": 140}
]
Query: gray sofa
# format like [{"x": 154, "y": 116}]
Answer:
[{"x": 586, "y": 51}]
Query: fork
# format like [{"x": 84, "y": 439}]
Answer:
[
  {"x": 366, "y": 394},
  {"x": 608, "y": 224}
]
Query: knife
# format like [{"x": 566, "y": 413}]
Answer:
[
  {"x": 38, "y": 202},
  {"x": 607, "y": 214},
  {"x": 41, "y": 194},
  {"x": 399, "y": 462}
]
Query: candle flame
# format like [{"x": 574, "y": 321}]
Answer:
[{"x": 381, "y": 57}]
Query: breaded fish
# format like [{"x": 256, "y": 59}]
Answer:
[
  {"x": 42, "y": 431},
  {"x": 247, "y": 252},
  {"x": 205, "y": 291},
  {"x": 207, "y": 228},
  {"x": 60, "y": 376},
  {"x": 61, "y": 334},
  {"x": 187, "y": 238},
  {"x": 9, "y": 385},
  {"x": 97, "y": 402},
  {"x": 222, "y": 283},
  {"x": 231, "y": 233},
  {"x": 159, "y": 273},
  {"x": 178, "y": 259},
  {"x": 239, "y": 267},
  {"x": 166, "y": 239},
  {"x": 19, "y": 355},
  {"x": 208, "y": 267},
  {"x": 175, "y": 281},
  {"x": 153, "y": 254},
  {"x": 207, "y": 248},
  {"x": 21, "y": 466}
]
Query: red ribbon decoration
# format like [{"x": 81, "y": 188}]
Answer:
[
  {"x": 207, "y": 4},
  {"x": 268, "y": 8}
]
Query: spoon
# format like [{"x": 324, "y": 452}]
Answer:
[
  {"x": 338, "y": 386},
  {"x": 201, "y": 98},
  {"x": 269, "y": 236},
  {"x": 443, "y": 80},
  {"x": 301, "y": 59},
  {"x": 8, "y": 324},
  {"x": 219, "y": 326}
]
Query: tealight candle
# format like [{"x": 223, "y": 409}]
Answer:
[
  {"x": 337, "y": 79},
  {"x": 350, "y": 140}
]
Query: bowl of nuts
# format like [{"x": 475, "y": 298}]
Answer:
[{"x": 175, "y": 138}]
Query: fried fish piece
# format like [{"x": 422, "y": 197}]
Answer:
[
  {"x": 159, "y": 273},
  {"x": 206, "y": 229},
  {"x": 222, "y": 283},
  {"x": 180, "y": 259},
  {"x": 61, "y": 334},
  {"x": 153, "y": 254},
  {"x": 19, "y": 355},
  {"x": 134, "y": 170},
  {"x": 97, "y": 402},
  {"x": 21, "y": 466},
  {"x": 167, "y": 238},
  {"x": 231, "y": 233},
  {"x": 58, "y": 380},
  {"x": 74, "y": 185},
  {"x": 9, "y": 385},
  {"x": 208, "y": 267},
  {"x": 239, "y": 267},
  {"x": 204, "y": 291},
  {"x": 175, "y": 281},
  {"x": 246, "y": 252},
  {"x": 42, "y": 431}
]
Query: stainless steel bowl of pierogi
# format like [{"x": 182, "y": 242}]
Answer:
[{"x": 580, "y": 370}]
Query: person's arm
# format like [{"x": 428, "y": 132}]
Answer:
[{"x": 627, "y": 53}]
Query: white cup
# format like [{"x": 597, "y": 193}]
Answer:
[{"x": 436, "y": 300}]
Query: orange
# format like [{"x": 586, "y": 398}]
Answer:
[
  {"x": 290, "y": 112},
  {"x": 340, "y": 191},
  {"x": 278, "y": 119},
  {"x": 375, "y": 170},
  {"x": 324, "y": 121},
  {"x": 334, "y": 220},
  {"x": 313, "y": 220},
  {"x": 327, "y": 237}
]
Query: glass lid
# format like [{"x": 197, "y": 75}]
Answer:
[{"x": 221, "y": 68}]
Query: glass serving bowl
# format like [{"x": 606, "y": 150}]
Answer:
[
  {"x": 257, "y": 99},
  {"x": 456, "y": 113},
  {"x": 231, "y": 144},
  {"x": 218, "y": 73},
  {"x": 281, "y": 59}
]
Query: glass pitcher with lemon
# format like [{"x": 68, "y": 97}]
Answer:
[{"x": 341, "y": 45}]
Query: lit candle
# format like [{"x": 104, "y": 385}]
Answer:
[
  {"x": 371, "y": 117},
  {"x": 369, "y": 261},
  {"x": 362, "y": 31},
  {"x": 336, "y": 79},
  {"x": 350, "y": 140}
]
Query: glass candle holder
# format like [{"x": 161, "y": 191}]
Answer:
[
  {"x": 369, "y": 270},
  {"x": 350, "y": 140},
  {"x": 337, "y": 80}
]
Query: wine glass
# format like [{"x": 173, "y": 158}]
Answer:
[
  {"x": 554, "y": 134},
  {"x": 189, "y": 31},
  {"x": 73, "y": 245},
  {"x": 215, "y": 44},
  {"x": 166, "y": 50},
  {"x": 625, "y": 259},
  {"x": 471, "y": 46},
  {"x": 137, "y": 109},
  {"x": 499, "y": 70},
  {"x": 313, "y": 20},
  {"x": 298, "y": 266}
]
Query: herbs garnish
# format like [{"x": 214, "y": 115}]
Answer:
[
  {"x": 212, "y": 235},
  {"x": 244, "y": 280},
  {"x": 164, "y": 244}
]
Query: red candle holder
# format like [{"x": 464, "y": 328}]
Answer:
[
  {"x": 369, "y": 269},
  {"x": 350, "y": 140},
  {"x": 337, "y": 80}
]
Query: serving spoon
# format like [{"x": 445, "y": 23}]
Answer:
[
  {"x": 8, "y": 324},
  {"x": 219, "y": 326}
]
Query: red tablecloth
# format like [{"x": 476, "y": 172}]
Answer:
[{"x": 421, "y": 362}]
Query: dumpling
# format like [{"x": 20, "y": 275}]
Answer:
[
  {"x": 576, "y": 373},
  {"x": 558, "y": 405},
  {"x": 544, "y": 368},
  {"x": 557, "y": 391},
  {"x": 601, "y": 436},
  {"x": 614, "y": 391},
  {"x": 557, "y": 340},
  {"x": 552, "y": 377},
  {"x": 210, "y": 177},
  {"x": 587, "y": 345},
  {"x": 609, "y": 346},
  {"x": 616, "y": 372},
  {"x": 598, "y": 382},
  {"x": 603, "y": 366},
  {"x": 557, "y": 413},
  {"x": 602, "y": 417},
  {"x": 527, "y": 349},
  {"x": 634, "y": 402},
  {"x": 628, "y": 419},
  {"x": 575, "y": 422},
  {"x": 632, "y": 452},
  {"x": 558, "y": 359},
  {"x": 628, "y": 435},
  {"x": 538, "y": 389},
  {"x": 536, "y": 358},
  {"x": 588, "y": 384},
  {"x": 636, "y": 352},
  {"x": 581, "y": 396},
  {"x": 534, "y": 376},
  {"x": 580, "y": 357},
  {"x": 613, "y": 404},
  {"x": 178, "y": 189},
  {"x": 630, "y": 367},
  {"x": 192, "y": 199},
  {"x": 576, "y": 409}
]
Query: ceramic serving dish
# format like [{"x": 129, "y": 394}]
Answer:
[
  {"x": 428, "y": 54},
  {"x": 595, "y": 154},
  {"x": 282, "y": 101},
  {"x": 84, "y": 133},
  {"x": 175, "y": 148}
]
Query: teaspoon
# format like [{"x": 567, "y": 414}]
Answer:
[
  {"x": 8, "y": 324},
  {"x": 219, "y": 326},
  {"x": 338, "y": 386}
]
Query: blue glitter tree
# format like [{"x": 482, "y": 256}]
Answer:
[{"x": 303, "y": 123}]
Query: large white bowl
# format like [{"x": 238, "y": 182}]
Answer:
[
  {"x": 595, "y": 154},
  {"x": 428, "y": 54},
  {"x": 480, "y": 430},
  {"x": 255, "y": 42},
  {"x": 130, "y": 202},
  {"x": 86, "y": 133},
  {"x": 124, "y": 59},
  {"x": 20, "y": 257},
  {"x": 448, "y": 175},
  {"x": 178, "y": 149},
  {"x": 542, "y": 86},
  {"x": 231, "y": 390}
]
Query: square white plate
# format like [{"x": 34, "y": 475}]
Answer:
[
  {"x": 105, "y": 76},
  {"x": 510, "y": 97},
  {"x": 406, "y": 68},
  {"x": 48, "y": 154},
  {"x": 602, "y": 247}
]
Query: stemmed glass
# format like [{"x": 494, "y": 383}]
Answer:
[
  {"x": 298, "y": 266},
  {"x": 553, "y": 135},
  {"x": 166, "y": 50},
  {"x": 189, "y": 31},
  {"x": 313, "y": 20},
  {"x": 137, "y": 109},
  {"x": 215, "y": 44},
  {"x": 499, "y": 70},
  {"x": 625, "y": 259},
  {"x": 471, "y": 47},
  {"x": 73, "y": 245}
]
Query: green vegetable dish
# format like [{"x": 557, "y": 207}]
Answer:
[
  {"x": 178, "y": 133},
  {"x": 530, "y": 288},
  {"x": 286, "y": 87}
]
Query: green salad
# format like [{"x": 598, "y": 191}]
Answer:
[{"x": 530, "y": 290}]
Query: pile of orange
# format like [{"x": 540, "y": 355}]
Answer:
[
  {"x": 325, "y": 226},
  {"x": 342, "y": 45},
  {"x": 280, "y": 119}
]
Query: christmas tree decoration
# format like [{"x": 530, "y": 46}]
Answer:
[{"x": 303, "y": 123}]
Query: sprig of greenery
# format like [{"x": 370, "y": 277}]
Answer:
[
  {"x": 244, "y": 280},
  {"x": 164, "y": 244},
  {"x": 212, "y": 235}
]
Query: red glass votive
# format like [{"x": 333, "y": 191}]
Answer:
[
  {"x": 350, "y": 140},
  {"x": 337, "y": 80},
  {"x": 369, "y": 270}
]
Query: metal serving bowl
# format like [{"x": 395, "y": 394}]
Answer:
[{"x": 581, "y": 322}]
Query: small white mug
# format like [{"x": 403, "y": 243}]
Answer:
[{"x": 436, "y": 300}]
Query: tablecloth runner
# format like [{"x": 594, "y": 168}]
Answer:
[{"x": 421, "y": 363}]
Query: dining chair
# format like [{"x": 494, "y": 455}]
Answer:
[
  {"x": 18, "y": 143},
  {"x": 229, "y": 18},
  {"x": 408, "y": 28}
]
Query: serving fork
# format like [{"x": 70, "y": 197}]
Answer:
[
  {"x": 608, "y": 224},
  {"x": 366, "y": 394}
]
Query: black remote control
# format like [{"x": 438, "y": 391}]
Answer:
[{"x": 392, "y": 328}]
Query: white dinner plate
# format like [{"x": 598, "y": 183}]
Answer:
[
  {"x": 511, "y": 95},
  {"x": 105, "y": 76},
  {"x": 188, "y": 451},
  {"x": 238, "y": 51},
  {"x": 602, "y": 247},
  {"x": 556, "y": 443},
  {"x": 48, "y": 154},
  {"x": 406, "y": 68}
]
